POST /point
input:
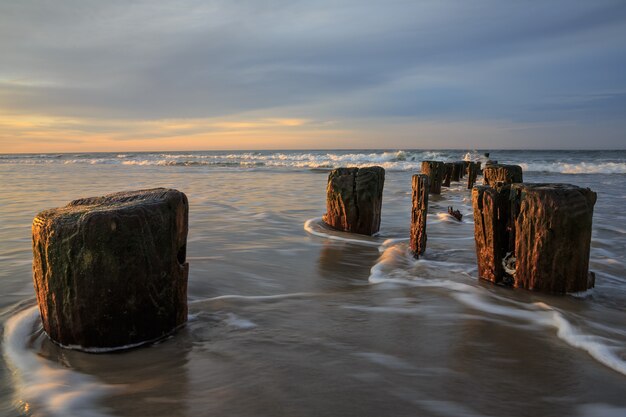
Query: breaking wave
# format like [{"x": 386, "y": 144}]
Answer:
[{"x": 574, "y": 162}]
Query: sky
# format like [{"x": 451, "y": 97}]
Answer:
[{"x": 84, "y": 76}]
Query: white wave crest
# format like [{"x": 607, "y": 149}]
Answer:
[
  {"x": 318, "y": 228},
  {"x": 576, "y": 168},
  {"x": 396, "y": 265},
  {"x": 44, "y": 388}
]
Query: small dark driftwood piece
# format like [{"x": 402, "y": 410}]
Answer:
[
  {"x": 354, "y": 198},
  {"x": 538, "y": 236},
  {"x": 500, "y": 173},
  {"x": 435, "y": 171},
  {"x": 110, "y": 272},
  {"x": 419, "y": 213},
  {"x": 455, "y": 213}
]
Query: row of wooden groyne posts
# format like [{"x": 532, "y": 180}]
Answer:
[{"x": 110, "y": 272}]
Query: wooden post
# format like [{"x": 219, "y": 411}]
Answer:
[
  {"x": 553, "y": 237},
  {"x": 535, "y": 236},
  {"x": 457, "y": 168},
  {"x": 419, "y": 214},
  {"x": 447, "y": 176},
  {"x": 506, "y": 174},
  {"x": 435, "y": 172},
  {"x": 490, "y": 232},
  {"x": 110, "y": 272},
  {"x": 354, "y": 199},
  {"x": 472, "y": 172}
]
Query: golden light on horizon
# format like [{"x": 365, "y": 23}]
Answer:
[{"x": 31, "y": 133}]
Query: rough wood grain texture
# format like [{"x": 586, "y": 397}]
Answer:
[
  {"x": 490, "y": 232},
  {"x": 418, "y": 214},
  {"x": 447, "y": 175},
  {"x": 545, "y": 229},
  {"x": 354, "y": 199},
  {"x": 435, "y": 171},
  {"x": 110, "y": 271},
  {"x": 553, "y": 237},
  {"x": 457, "y": 168},
  {"x": 500, "y": 173},
  {"x": 472, "y": 173}
]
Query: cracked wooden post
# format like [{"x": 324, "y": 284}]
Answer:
[
  {"x": 447, "y": 176},
  {"x": 553, "y": 237},
  {"x": 490, "y": 232},
  {"x": 534, "y": 236},
  {"x": 472, "y": 173},
  {"x": 506, "y": 174},
  {"x": 110, "y": 272},
  {"x": 419, "y": 212},
  {"x": 435, "y": 172},
  {"x": 354, "y": 199}
]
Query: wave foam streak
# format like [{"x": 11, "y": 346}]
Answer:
[
  {"x": 396, "y": 265},
  {"x": 42, "y": 387}
]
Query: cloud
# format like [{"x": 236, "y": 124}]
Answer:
[{"x": 480, "y": 61}]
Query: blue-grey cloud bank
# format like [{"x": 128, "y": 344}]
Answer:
[{"x": 405, "y": 73}]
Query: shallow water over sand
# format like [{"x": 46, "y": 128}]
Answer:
[{"x": 289, "y": 322}]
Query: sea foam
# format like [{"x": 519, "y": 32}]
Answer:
[
  {"x": 318, "y": 228},
  {"x": 43, "y": 387},
  {"x": 395, "y": 265}
]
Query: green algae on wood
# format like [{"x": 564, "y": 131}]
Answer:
[{"x": 111, "y": 271}]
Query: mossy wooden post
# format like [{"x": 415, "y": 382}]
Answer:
[
  {"x": 457, "y": 167},
  {"x": 500, "y": 173},
  {"x": 435, "y": 172},
  {"x": 354, "y": 199},
  {"x": 418, "y": 214},
  {"x": 110, "y": 272},
  {"x": 534, "y": 236},
  {"x": 553, "y": 237},
  {"x": 447, "y": 175},
  {"x": 472, "y": 172}
]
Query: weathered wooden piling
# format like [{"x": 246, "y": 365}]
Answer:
[
  {"x": 435, "y": 171},
  {"x": 490, "y": 232},
  {"x": 536, "y": 236},
  {"x": 354, "y": 199},
  {"x": 111, "y": 271},
  {"x": 457, "y": 168},
  {"x": 419, "y": 213},
  {"x": 447, "y": 173},
  {"x": 506, "y": 174},
  {"x": 553, "y": 236},
  {"x": 472, "y": 173}
]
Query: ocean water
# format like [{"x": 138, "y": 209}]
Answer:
[{"x": 288, "y": 318}]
